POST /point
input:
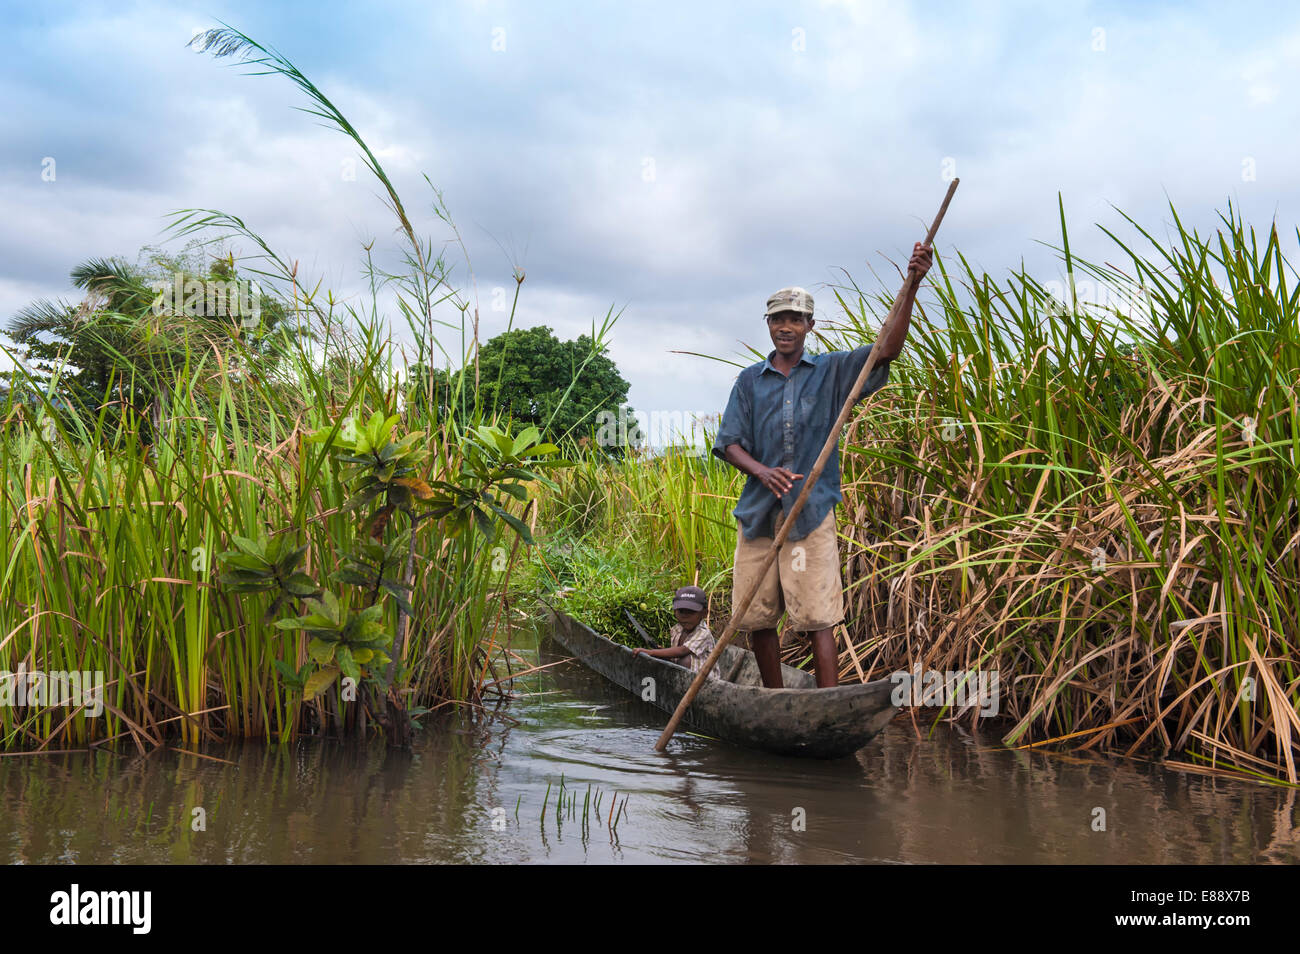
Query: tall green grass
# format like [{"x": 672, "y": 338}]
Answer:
[
  {"x": 109, "y": 550},
  {"x": 1112, "y": 523}
]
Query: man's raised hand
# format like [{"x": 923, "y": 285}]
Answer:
[{"x": 922, "y": 259}]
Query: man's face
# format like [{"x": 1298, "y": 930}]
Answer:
[{"x": 788, "y": 329}]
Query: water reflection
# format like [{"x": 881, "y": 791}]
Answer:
[{"x": 473, "y": 789}]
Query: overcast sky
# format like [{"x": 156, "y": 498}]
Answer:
[{"x": 678, "y": 161}]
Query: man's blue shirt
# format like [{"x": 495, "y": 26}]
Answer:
[{"x": 784, "y": 422}]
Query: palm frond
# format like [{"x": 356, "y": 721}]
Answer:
[
  {"x": 40, "y": 317},
  {"x": 102, "y": 274},
  {"x": 115, "y": 281}
]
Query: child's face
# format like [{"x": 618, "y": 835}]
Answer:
[{"x": 689, "y": 618}]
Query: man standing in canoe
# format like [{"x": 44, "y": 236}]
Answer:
[{"x": 777, "y": 420}]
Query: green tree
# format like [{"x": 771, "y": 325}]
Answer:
[{"x": 560, "y": 387}]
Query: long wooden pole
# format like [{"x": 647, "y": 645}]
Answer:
[{"x": 831, "y": 446}]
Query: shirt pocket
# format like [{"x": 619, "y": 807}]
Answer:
[{"x": 807, "y": 409}]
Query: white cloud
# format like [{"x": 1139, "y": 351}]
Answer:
[{"x": 770, "y": 165}]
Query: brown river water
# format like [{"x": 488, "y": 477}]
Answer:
[{"x": 473, "y": 789}]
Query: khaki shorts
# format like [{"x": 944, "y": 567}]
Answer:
[{"x": 804, "y": 579}]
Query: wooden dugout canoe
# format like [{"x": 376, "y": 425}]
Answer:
[{"x": 801, "y": 720}]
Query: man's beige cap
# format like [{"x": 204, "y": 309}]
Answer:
[{"x": 793, "y": 298}]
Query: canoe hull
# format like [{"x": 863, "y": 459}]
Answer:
[{"x": 800, "y": 721}]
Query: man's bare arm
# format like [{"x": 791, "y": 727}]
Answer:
[{"x": 890, "y": 344}]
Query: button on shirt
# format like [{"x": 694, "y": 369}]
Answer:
[{"x": 783, "y": 421}]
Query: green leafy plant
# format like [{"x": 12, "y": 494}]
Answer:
[
  {"x": 262, "y": 566},
  {"x": 493, "y": 461},
  {"x": 342, "y": 642},
  {"x": 382, "y": 475},
  {"x": 606, "y": 584}
]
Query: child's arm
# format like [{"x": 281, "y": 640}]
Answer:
[{"x": 672, "y": 652}]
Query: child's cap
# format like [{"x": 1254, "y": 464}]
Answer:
[{"x": 690, "y": 597}]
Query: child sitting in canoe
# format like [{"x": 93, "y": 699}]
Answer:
[{"x": 690, "y": 641}]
